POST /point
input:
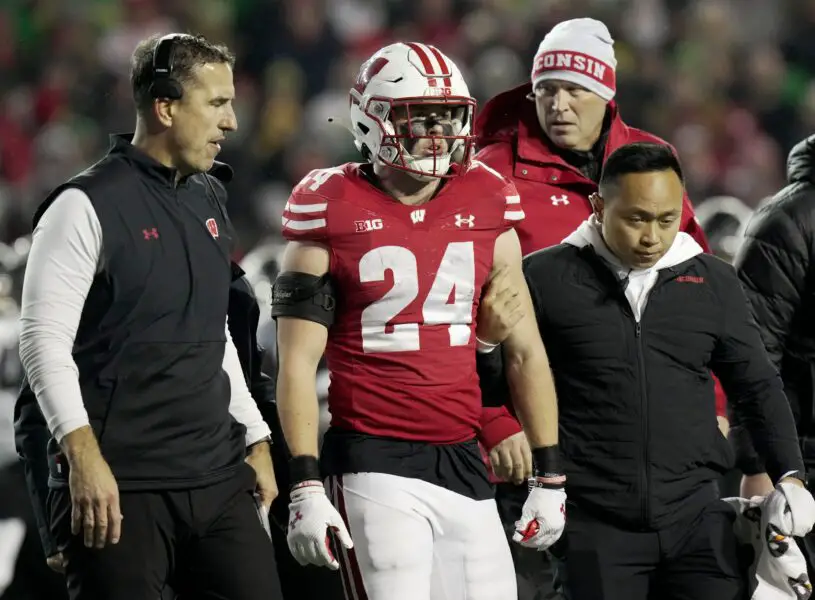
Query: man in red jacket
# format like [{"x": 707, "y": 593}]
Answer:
[{"x": 551, "y": 137}]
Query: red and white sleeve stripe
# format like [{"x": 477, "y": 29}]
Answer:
[
  {"x": 513, "y": 212},
  {"x": 305, "y": 217}
]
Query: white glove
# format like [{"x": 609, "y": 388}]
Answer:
[
  {"x": 789, "y": 509},
  {"x": 543, "y": 517},
  {"x": 311, "y": 516}
]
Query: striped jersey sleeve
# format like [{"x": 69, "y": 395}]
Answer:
[
  {"x": 513, "y": 211},
  {"x": 305, "y": 218}
]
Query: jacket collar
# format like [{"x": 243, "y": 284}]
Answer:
[
  {"x": 588, "y": 234},
  {"x": 122, "y": 144}
]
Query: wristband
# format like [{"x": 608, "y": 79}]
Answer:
[
  {"x": 799, "y": 475},
  {"x": 484, "y": 347},
  {"x": 548, "y": 471},
  {"x": 304, "y": 468}
]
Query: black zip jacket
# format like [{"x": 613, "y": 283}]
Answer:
[
  {"x": 31, "y": 433},
  {"x": 638, "y": 430},
  {"x": 775, "y": 267}
]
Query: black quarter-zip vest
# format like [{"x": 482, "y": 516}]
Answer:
[{"x": 150, "y": 343}]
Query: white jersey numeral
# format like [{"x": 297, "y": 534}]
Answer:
[{"x": 455, "y": 280}]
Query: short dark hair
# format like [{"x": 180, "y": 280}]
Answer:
[
  {"x": 640, "y": 157},
  {"x": 189, "y": 51}
]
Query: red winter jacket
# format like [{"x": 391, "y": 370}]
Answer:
[{"x": 554, "y": 195}]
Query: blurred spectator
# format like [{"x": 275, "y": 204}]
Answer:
[{"x": 731, "y": 90}]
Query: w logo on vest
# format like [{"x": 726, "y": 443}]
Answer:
[{"x": 212, "y": 226}]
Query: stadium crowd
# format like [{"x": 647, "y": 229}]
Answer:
[{"x": 731, "y": 89}]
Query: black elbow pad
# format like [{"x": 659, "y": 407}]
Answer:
[{"x": 304, "y": 296}]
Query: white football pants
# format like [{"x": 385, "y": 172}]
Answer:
[{"x": 417, "y": 541}]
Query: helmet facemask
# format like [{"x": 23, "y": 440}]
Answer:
[{"x": 422, "y": 136}]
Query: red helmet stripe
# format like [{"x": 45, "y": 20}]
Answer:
[
  {"x": 427, "y": 64},
  {"x": 445, "y": 68}
]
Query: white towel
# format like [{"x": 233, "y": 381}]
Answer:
[
  {"x": 779, "y": 571},
  {"x": 12, "y": 534},
  {"x": 263, "y": 515}
]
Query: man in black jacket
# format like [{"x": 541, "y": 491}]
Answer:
[
  {"x": 157, "y": 446},
  {"x": 635, "y": 317},
  {"x": 31, "y": 437},
  {"x": 775, "y": 267}
]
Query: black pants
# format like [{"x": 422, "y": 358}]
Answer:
[
  {"x": 32, "y": 579},
  {"x": 533, "y": 570},
  {"x": 212, "y": 535},
  {"x": 694, "y": 560}
]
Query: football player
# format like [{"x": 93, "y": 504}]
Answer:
[{"x": 384, "y": 273}]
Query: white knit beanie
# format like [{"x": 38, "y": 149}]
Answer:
[{"x": 580, "y": 51}]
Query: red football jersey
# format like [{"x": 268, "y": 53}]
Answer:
[{"x": 401, "y": 352}]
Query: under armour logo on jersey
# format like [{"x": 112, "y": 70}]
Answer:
[
  {"x": 417, "y": 216},
  {"x": 298, "y": 516},
  {"x": 558, "y": 200},
  {"x": 462, "y": 221},
  {"x": 149, "y": 234}
]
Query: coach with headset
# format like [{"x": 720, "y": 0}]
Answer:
[{"x": 159, "y": 458}]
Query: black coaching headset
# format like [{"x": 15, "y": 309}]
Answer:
[{"x": 164, "y": 84}]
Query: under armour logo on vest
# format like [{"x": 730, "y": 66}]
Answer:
[
  {"x": 151, "y": 233},
  {"x": 558, "y": 200}
]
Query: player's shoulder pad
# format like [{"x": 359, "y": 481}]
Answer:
[
  {"x": 329, "y": 183},
  {"x": 489, "y": 179},
  {"x": 495, "y": 189},
  {"x": 479, "y": 168}
]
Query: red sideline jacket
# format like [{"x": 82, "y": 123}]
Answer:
[{"x": 555, "y": 196}]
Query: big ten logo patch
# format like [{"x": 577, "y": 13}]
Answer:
[{"x": 368, "y": 225}]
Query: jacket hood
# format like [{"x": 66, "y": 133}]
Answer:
[
  {"x": 801, "y": 161},
  {"x": 588, "y": 234},
  {"x": 498, "y": 120}
]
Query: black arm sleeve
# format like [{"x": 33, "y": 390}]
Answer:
[
  {"x": 31, "y": 437},
  {"x": 752, "y": 384}
]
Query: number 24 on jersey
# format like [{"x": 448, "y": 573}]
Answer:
[{"x": 454, "y": 277}]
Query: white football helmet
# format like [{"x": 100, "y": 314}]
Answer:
[
  {"x": 404, "y": 75},
  {"x": 724, "y": 219}
]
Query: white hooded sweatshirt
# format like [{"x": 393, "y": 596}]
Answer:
[{"x": 640, "y": 281}]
